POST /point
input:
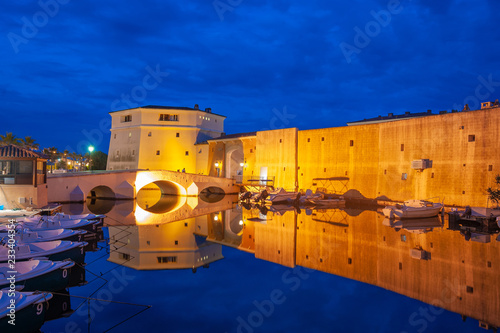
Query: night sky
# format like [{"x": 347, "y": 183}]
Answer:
[{"x": 263, "y": 64}]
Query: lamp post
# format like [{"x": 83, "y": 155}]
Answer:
[
  {"x": 217, "y": 165},
  {"x": 91, "y": 149}
]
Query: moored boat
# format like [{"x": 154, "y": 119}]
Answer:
[
  {"x": 22, "y": 311},
  {"x": 37, "y": 274},
  {"x": 89, "y": 225},
  {"x": 280, "y": 196},
  {"x": 412, "y": 209},
  {"x": 26, "y": 235},
  {"x": 54, "y": 250}
]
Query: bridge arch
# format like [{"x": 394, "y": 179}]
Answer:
[
  {"x": 161, "y": 196},
  {"x": 212, "y": 194},
  {"x": 101, "y": 192}
]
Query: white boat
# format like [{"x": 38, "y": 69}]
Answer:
[
  {"x": 63, "y": 217},
  {"x": 29, "y": 311},
  {"x": 412, "y": 209},
  {"x": 280, "y": 195},
  {"x": 25, "y": 235},
  {"x": 37, "y": 274},
  {"x": 55, "y": 250},
  {"x": 90, "y": 225},
  {"x": 416, "y": 226},
  {"x": 339, "y": 202}
]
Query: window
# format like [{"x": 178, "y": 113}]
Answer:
[
  {"x": 187, "y": 153},
  {"x": 351, "y": 143},
  {"x": 157, "y": 152},
  {"x": 133, "y": 152},
  {"x": 124, "y": 256},
  {"x": 490, "y": 167},
  {"x": 402, "y": 147},
  {"x": 472, "y": 138},
  {"x": 177, "y": 135},
  {"x": 149, "y": 134},
  {"x": 126, "y": 119},
  {"x": 308, "y": 139},
  {"x": 162, "y": 260},
  {"x": 117, "y": 153},
  {"x": 129, "y": 134},
  {"x": 114, "y": 136},
  {"x": 169, "y": 117},
  {"x": 322, "y": 138},
  {"x": 404, "y": 176}
]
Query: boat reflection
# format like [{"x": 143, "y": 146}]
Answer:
[{"x": 427, "y": 259}]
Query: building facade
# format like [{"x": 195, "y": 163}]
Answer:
[
  {"x": 161, "y": 137},
  {"x": 23, "y": 178},
  {"x": 450, "y": 156}
]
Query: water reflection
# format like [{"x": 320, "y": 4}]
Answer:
[{"x": 428, "y": 259}]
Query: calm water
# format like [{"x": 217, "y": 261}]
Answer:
[{"x": 218, "y": 267}]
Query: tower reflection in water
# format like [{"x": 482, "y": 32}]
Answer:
[{"x": 427, "y": 260}]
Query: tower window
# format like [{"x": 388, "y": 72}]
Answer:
[
  {"x": 187, "y": 153},
  {"x": 177, "y": 135},
  {"x": 351, "y": 143},
  {"x": 157, "y": 152},
  {"x": 472, "y": 138}
]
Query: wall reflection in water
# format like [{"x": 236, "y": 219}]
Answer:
[{"x": 428, "y": 260}]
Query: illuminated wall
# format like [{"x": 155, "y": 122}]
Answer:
[{"x": 459, "y": 276}]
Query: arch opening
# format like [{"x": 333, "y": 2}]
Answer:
[
  {"x": 212, "y": 194},
  {"x": 99, "y": 206},
  {"x": 160, "y": 197},
  {"x": 101, "y": 192},
  {"x": 234, "y": 160}
]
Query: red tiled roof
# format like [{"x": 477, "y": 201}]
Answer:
[{"x": 16, "y": 151}]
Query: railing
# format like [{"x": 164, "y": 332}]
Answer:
[{"x": 254, "y": 180}]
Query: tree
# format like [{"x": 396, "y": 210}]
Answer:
[
  {"x": 99, "y": 160},
  {"x": 29, "y": 143},
  {"x": 494, "y": 194},
  {"x": 8, "y": 139}
]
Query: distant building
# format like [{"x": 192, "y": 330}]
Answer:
[
  {"x": 161, "y": 137},
  {"x": 23, "y": 178}
]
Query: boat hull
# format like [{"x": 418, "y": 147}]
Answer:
[
  {"x": 393, "y": 212},
  {"x": 28, "y": 319}
]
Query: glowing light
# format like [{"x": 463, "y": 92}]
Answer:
[
  {"x": 216, "y": 164},
  {"x": 242, "y": 164},
  {"x": 241, "y": 222},
  {"x": 216, "y": 218},
  {"x": 91, "y": 149}
]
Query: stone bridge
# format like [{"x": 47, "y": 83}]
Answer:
[{"x": 125, "y": 184}]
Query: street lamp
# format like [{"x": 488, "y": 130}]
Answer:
[{"x": 91, "y": 149}]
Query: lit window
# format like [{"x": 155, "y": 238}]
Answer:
[
  {"x": 126, "y": 119},
  {"x": 162, "y": 260},
  {"x": 168, "y": 117}
]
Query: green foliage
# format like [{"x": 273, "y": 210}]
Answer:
[
  {"x": 494, "y": 193},
  {"x": 99, "y": 160},
  {"x": 9, "y": 139}
]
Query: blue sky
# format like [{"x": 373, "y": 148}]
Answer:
[{"x": 263, "y": 64}]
